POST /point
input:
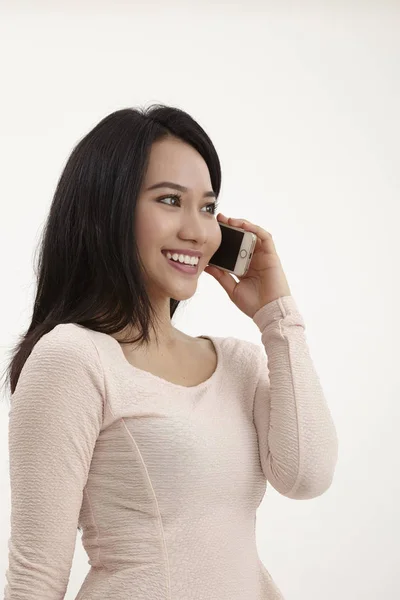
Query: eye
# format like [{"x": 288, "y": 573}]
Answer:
[
  {"x": 174, "y": 196},
  {"x": 213, "y": 205}
]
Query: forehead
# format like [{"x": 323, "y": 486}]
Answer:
[{"x": 172, "y": 159}]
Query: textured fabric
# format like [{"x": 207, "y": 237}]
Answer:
[{"x": 164, "y": 479}]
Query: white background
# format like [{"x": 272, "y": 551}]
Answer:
[{"x": 302, "y": 103}]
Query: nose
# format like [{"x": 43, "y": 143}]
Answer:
[{"x": 193, "y": 227}]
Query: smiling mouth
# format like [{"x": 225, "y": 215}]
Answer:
[{"x": 183, "y": 267}]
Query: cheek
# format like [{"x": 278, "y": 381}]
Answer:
[
  {"x": 149, "y": 228},
  {"x": 217, "y": 238}
]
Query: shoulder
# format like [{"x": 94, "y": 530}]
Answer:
[
  {"x": 67, "y": 344},
  {"x": 72, "y": 336},
  {"x": 62, "y": 376},
  {"x": 239, "y": 345},
  {"x": 240, "y": 354}
]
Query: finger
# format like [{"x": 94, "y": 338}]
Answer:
[
  {"x": 224, "y": 278},
  {"x": 264, "y": 236}
]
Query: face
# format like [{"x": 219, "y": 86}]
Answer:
[{"x": 164, "y": 222}]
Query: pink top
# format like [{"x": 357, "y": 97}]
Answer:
[{"x": 164, "y": 479}]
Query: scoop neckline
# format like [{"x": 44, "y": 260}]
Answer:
[{"x": 161, "y": 380}]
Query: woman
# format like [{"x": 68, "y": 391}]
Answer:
[{"x": 155, "y": 444}]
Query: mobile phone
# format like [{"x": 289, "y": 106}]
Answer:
[{"x": 235, "y": 251}]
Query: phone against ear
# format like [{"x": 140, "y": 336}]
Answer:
[{"x": 235, "y": 251}]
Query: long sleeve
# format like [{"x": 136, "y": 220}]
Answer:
[
  {"x": 55, "y": 418},
  {"x": 296, "y": 434}
]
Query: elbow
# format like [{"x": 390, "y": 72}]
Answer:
[
  {"x": 307, "y": 489},
  {"x": 314, "y": 475},
  {"x": 314, "y": 482}
]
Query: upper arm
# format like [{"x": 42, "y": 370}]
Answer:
[{"x": 55, "y": 418}]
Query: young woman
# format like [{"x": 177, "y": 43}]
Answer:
[{"x": 156, "y": 445}]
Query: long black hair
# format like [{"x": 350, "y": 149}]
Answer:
[{"x": 89, "y": 270}]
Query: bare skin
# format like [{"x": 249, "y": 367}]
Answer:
[{"x": 190, "y": 362}]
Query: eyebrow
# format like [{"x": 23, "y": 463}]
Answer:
[{"x": 176, "y": 186}]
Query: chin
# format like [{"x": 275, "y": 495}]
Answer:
[{"x": 182, "y": 292}]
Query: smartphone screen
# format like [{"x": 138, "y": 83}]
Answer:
[{"x": 227, "y": 253}]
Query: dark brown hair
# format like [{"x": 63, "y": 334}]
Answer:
[{"x": 89, "y": 269}]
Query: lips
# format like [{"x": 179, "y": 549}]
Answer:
[
  {"x": 184, "y": 252},
  {"x": 189, "y": 269},
  {"x": 173, "y": 252}
]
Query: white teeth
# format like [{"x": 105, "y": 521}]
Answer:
[{"x": 182, "y": 258}]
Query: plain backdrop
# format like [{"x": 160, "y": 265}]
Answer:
[{"x": 302, "y": 103}]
